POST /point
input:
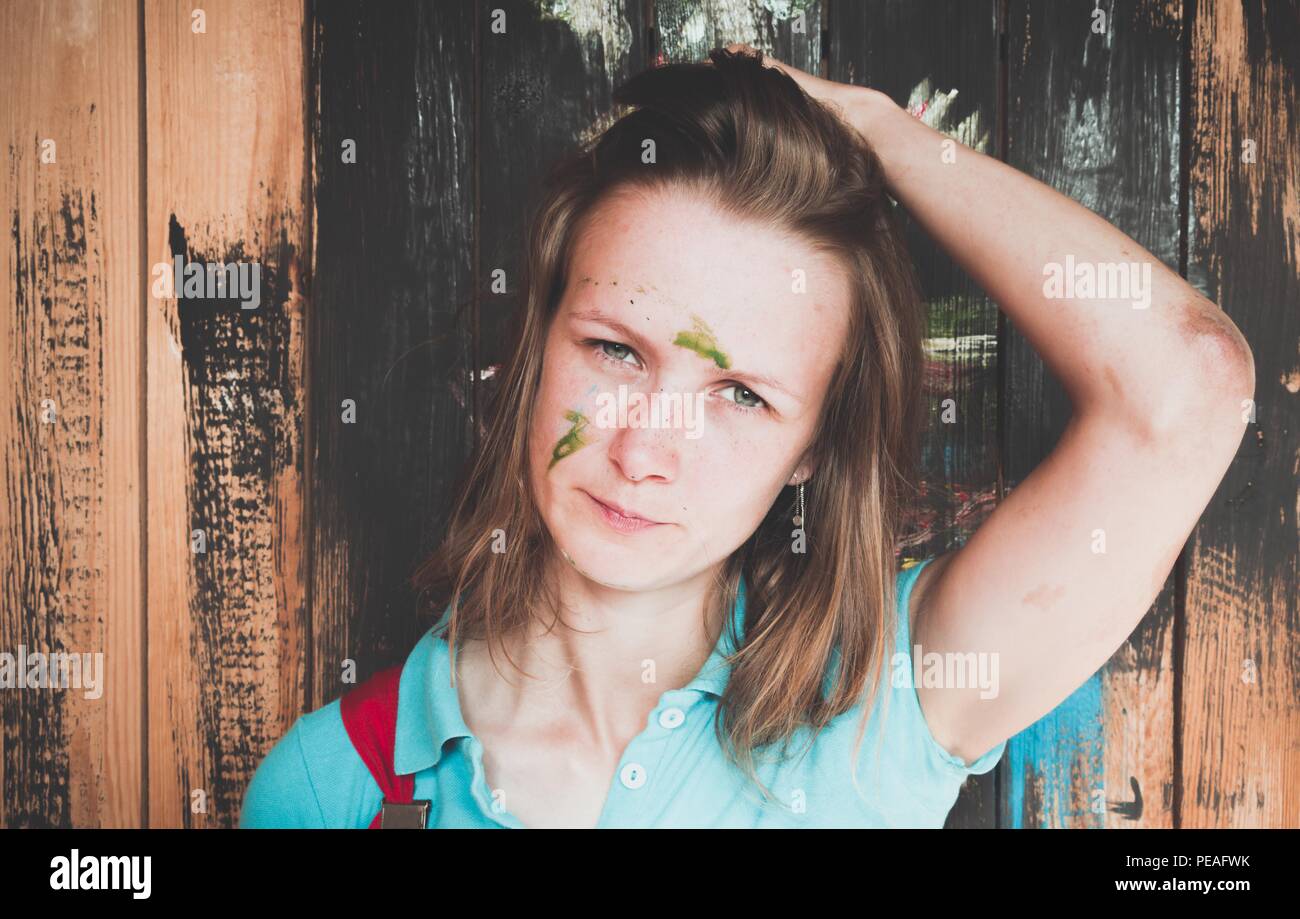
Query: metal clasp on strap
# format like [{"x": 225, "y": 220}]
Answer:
[{"x": 412, "y": 816}]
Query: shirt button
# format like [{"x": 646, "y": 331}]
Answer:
[
  {"x": 632, "y": 775},
  {"x": 671, "y": 718}
]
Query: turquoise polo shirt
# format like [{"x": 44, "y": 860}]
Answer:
[{"x": 673, "y": 774}]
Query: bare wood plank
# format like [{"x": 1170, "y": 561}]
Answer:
[
  {"x": 392, "y": 146},
  {"x": 1241, "y": 672},
  {"x": 70, "y": 518},
  {"x": 225, "y": 120},
  {"x": 919, "y": 55},
  {"x": 1093, "y": 112}
]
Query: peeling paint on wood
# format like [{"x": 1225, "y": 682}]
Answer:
[{"x": 688, "y": 29}]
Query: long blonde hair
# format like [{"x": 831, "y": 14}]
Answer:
[{"x": 760, "y": 147}]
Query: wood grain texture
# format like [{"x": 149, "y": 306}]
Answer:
[
  {"x": 70, "y": 518},
  {"x": 225, "y": 140},
  {"x": 895, "y": 48},
  {"x": 1241, "y": 659},
  {"x": 1094, "y": 114},
  {"x": 393, "y": 315}
]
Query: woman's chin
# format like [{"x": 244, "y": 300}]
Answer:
[{"x": 621, "y": 567}]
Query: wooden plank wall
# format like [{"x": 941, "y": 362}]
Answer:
[
  {"x": 224, "y": 133},
  {"x": 72, "y": 429},
  {"x": 393, "y": 151},
  {"x": 1239, "y": 707},
  {"x": 375, "y": 160}
]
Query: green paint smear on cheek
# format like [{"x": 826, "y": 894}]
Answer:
[
  {"x": 571, "y": 441},
  {"x": 702, "y": 342}
]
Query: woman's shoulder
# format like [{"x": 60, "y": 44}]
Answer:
[
  {"x": 898, "y": 743},
  {"x": 312, "y": 778}
]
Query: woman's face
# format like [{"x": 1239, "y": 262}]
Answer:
[{"x": 684, "y": 372}]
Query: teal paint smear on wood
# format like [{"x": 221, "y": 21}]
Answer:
[{"x": 1061, "y": 751}]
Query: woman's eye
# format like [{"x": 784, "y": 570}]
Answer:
[
  {"x": 744, "y": 398},
  {"x": 614, "y": 352}
]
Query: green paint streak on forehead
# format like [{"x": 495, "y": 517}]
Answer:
[
  {"x": 572, "y": 441},
  {"x": 702, "y": 342}
]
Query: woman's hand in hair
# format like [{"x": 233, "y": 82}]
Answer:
[{"x": 844, "y": 99}]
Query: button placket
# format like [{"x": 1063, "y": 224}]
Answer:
[
  {"x": 482, "y": 794},
  {"x": 634, "y": 774}
]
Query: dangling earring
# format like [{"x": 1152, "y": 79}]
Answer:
[{"x": 798, "y": 517}]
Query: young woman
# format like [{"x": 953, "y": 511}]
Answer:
[{"x": 669, "y": 588}]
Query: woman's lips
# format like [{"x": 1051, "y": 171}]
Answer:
[{"x": 618, "y": 520}]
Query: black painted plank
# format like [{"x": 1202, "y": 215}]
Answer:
[
  {"x": 392, "y": 314},
  {"x": 546, "y": 83}
]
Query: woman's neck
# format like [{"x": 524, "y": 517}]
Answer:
[{"x": 595, "y": 675}]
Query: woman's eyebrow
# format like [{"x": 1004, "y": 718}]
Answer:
[
  {"x": 762, "y": 380},
  {"x": 595, "y": 315},
  {"x": 759, "y": 379}
]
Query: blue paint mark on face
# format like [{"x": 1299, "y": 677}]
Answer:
[{"x": 581, "y": 407}]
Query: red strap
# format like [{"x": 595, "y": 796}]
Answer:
[{"x": 370, "y": 717}]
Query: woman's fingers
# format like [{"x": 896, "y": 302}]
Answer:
[
  {"x": 803, "y": 79},
  {"x": 823, "y": 90}
]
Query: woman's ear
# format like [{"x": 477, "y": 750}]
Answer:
[{"x": 803, "y": 472}]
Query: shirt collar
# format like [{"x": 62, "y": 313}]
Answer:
[
  {"x": 428, "y": 709},
  {"x": 713, "y": 676}
]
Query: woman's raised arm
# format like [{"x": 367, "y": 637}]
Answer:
[{"x": 1160, "y": 380}]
